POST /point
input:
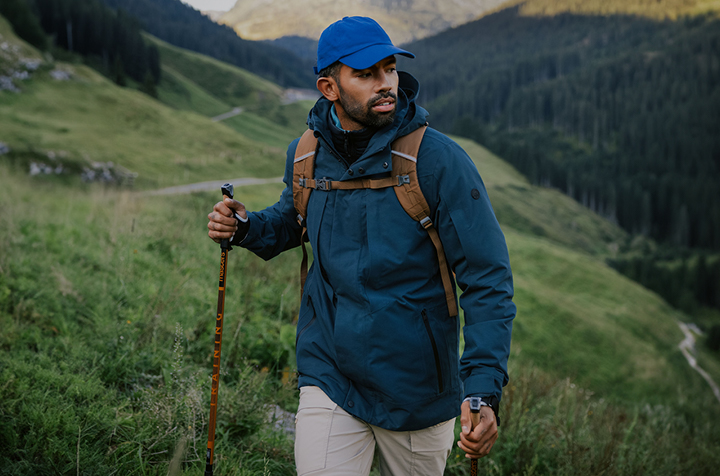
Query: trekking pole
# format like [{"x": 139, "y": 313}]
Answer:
[
  {"x": 475, "y": 421},
  {"x": 227, "y": 190}
]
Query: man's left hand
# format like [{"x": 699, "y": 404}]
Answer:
[{"x": 477, "y": 441}]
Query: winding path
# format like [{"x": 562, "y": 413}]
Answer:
[
  {"x": 687, "y": 347},
  {"x": 228, "y": 115},
  {"x": 212, "y": 185}
]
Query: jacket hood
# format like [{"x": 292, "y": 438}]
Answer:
[{"x": 408, "y": 117}]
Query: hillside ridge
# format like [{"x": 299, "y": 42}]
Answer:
[{"x": 404, "y": 20}]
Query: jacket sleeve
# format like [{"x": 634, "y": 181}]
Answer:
[
  {"x": 275, "y": 229},
  {"x": 476, "y": 251}
]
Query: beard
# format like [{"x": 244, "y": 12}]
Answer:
[{"x": 364, "y": 114}]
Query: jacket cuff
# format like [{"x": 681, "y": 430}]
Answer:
[
  {"x": 482, "y": 385},
  {"x": 242, "y": 231}
]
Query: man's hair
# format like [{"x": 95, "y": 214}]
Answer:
[{"x": 332, "y": 71}]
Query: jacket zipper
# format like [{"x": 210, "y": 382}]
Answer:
[
  {"x": 435, "y": 351},
  {"x": 332, "y": 151}
]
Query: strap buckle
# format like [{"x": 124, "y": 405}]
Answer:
[
  {"x": 403, "y": 179},
  {"x": 303, "y": 182},
  {"x": 476, "y": 403},
  {"x": 323, "y": 184}
]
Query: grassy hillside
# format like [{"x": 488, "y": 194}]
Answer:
[
  {"x": 230, "y": 84},
  {"x": 107, "y": 301},
  {"x": 89, "y": 119},
  {"x": 659, "y": 9},
  {"x": 16, "y": 48},
  {"x": 541, "y": 211},
  {"x": 194, "y": 82}
]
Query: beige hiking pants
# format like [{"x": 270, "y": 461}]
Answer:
[{"x": 330, "y": 441}]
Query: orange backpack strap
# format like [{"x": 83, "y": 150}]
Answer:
[
  {"x": 404, "y": 166},
  {"x": 303, "y": 168}
]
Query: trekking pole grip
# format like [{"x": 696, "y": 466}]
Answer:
[
  {"x": 228, "y": 191},
  {"x": 474, "y": 421}
]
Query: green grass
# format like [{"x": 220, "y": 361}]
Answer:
[
  {"x": 107, "y": 306},
  {"x": 193, "y": 82},
  {"x": 585, "y": 321},
  {"x": 230, "y": 84},
  {"x": 178, "y": 92},
  {"x": 283, "y": 125}
]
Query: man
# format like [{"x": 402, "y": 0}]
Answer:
[{"x": 377, "y": 344}]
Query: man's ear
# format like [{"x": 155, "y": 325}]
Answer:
[{"x": 328, "y": 87}]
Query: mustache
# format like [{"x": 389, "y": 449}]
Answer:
[{"x": 380, "y": 97}]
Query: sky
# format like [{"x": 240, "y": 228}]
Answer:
[{"x": 221, "y": 5}]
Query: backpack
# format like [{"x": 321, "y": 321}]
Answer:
[{"x": 404, "y": 182}]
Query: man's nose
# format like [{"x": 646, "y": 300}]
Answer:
[{"x": 384, "y": 83}]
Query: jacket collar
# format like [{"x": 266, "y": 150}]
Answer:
[{"x": 409, "y": 116}]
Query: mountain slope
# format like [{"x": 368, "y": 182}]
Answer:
[
  {"x": 183, "y": 26},
  {"x": 198, "y": 83},
  {"x": 404, "y": 20},
  {"x": 83, "y": 118},
  {"x": 659, "y": 9},
  {"x": 621, "y": 112}
]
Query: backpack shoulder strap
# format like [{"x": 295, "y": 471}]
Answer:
[
  {"x": 404, "y": 162},
  {"x": 303, "y": 168}
]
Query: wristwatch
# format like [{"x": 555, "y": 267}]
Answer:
[{"x": 477, "y": 402}]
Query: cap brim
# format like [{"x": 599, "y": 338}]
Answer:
[{"x": 372, "y": 54}]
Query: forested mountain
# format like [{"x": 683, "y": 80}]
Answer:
[
  {"x": 91, "y": 29},
  {"x": 404, "y": 20},
  {"x": 619, "y": 111},
  {"x": 183, "y": 26}
]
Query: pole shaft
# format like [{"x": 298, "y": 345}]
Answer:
[
  {"x": 474, "y": 421},
  {"x": 216, "y": 363}
]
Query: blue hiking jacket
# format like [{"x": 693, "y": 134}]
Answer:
[{"x": 374, "y": 332}]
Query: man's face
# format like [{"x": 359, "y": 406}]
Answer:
[{"x": 367, "y": 97}]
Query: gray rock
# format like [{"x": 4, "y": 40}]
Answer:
[{"x": 60, "y": 75}]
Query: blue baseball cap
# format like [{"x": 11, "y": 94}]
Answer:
[{"x": 358, "y": 42}]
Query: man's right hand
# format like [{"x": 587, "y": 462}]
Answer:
[{"x": 223, "y": 224}]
